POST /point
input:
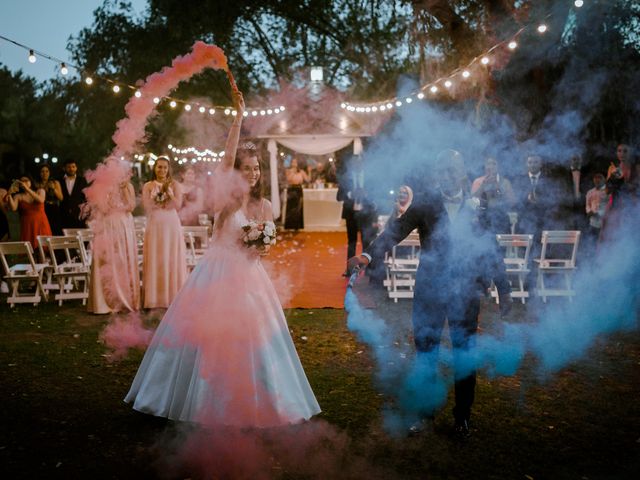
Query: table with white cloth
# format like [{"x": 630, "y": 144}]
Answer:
[{"x": 322, "y": 212}]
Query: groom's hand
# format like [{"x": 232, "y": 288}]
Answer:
[{"x": 357, "y": 261}]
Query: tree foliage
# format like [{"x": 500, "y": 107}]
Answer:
[{"x": 365, "y": 48}]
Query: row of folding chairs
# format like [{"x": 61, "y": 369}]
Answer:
[
  {"x": 62, "y": 269},
  {"x": 554, "y": 268}
]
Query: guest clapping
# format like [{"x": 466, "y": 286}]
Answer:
[
  {"x": 73, "y": 197},
  {"x": 52, "y": 200},
  {"x": 496, "y": 197},
  {"x": 164, "y": 260}
]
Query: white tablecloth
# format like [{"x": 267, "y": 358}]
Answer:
[{"x": 322, "y": 212}]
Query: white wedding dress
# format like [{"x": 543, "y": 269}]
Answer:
[{"x": 222, "y": 354}]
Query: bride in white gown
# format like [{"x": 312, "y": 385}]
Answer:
[{"x": 223, "y": 354}]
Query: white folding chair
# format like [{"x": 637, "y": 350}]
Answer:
[
  {"x": 197, "y": 240},
  {"x": 26, "y": 275},
  {"x": 401, "y": 267},
  {"x": 557, "y": 258},
  {"x": 72, "y": 274},
  {"x": 85, "y": 235},
  {"x": 516, "y": 260},
  {"x": 47, "y": 272}
]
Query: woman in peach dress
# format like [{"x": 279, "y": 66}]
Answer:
[
  {"x": 115, "y": 280},
  {"x": 164, "y": 258}
]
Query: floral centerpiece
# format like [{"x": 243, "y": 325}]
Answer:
[{"x": 259, "y": 235}]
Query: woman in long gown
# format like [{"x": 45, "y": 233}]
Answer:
[
  {"x": 53, "y": 197},
  {"x": 115, "y": 280},
  {"x": 222, "y": 354},
  {"x": 30, "y": 206},
  {"x": 296, "y": 178},
  {"x": 164, "y": 264}
]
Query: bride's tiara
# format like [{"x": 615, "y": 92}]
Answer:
[{"x": 248, "y": 146}]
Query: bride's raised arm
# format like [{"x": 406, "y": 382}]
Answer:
[{"x": 234, "y": 132}]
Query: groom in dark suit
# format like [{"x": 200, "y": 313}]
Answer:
[
  {"x": 73, "y": 197},
  {"x": 458, "y": 258}
]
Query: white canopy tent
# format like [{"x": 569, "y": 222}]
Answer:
[{"x": 307, "y": 145}]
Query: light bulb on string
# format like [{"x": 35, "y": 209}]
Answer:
[
  {"x": 63, "y": 69},
  {"x": 187, "y": 107},
  {"x": 408, "y": 100},
  {"x": 542, "y": 28},
  {"x": 466, "y": 74},
  {"x": 420, "y": 96},
  {"x": 254, "y": 113},
  {"x": 32, "y": 57},
  {"x": 374, "y": 109},
  {"x": 383, "y": 108},
  {"x": 212, "y": 111},
  {"x": 116, "y": 89},
  {"x": 202, "y": 109},
  {"x": 156, "y": 100},
  {"x": 277, "y": 110},
  {"x": 578, "y": 3},
  {"x": 173, "y": 104},
  {"x": 398, "y": 103},
  {"x": 269, "y": 111},
  {"x": 433, "y": 89},
  {"x": 88, "y": 81},
  {"x": 263, "y": 112},
  {"x": 485, "y": 60},
  {"x": 138, "y": 94},
  {"x": 512, "y": 45},
  {"x": 227, "y": 111},
  {"x": 245, "y": 114},
  {"x": 234, "y": 113},
  {"x": 448, "y": 84}
]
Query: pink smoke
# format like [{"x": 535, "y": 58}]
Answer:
[
  {"x": 314, "y": 450},
  {"x": 124, "y": 333}
]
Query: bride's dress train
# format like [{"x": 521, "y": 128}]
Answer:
[{"x": 223, "y": 353}]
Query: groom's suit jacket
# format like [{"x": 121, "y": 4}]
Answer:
[
  {"x": 71, "y": 202},
  {"x": 457, "y": 258}
]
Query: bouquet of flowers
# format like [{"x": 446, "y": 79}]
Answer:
[
  {"x": 259, "y": 235},
  {"x": 161, "y": 196}
]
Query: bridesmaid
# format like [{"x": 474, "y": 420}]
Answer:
[
  {"x": 30, "y": 206},
  {"x": 52, "y": 200},
  {"x": 192, "y": 198},
  {"x": 164, "y": 267},
  {"x": 115, "y": 280}
]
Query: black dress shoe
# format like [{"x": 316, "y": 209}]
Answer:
[{"x": 461, "y": 429}]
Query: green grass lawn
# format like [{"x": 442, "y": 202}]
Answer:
[{"x": 62, "y": 413}]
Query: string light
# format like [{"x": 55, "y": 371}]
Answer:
[
  {"x": 138, "y": 94},
  {"x": 434, "y": 89},
  {"x": 448, "y": 84},
  {"x": 512, "y": 45},
  {"x": 484, "y": 61},
  {"x": 542, "y": 28},
  {"x": 227, "y": 111},
  {"x": 173, "y": 104},
  {"x": 89, "y": 80},
  {"x": 466, "y": 74},
  {"x": 578, "y": 3}
]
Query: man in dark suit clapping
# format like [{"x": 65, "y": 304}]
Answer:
[{"x": 73, "y": 197}]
